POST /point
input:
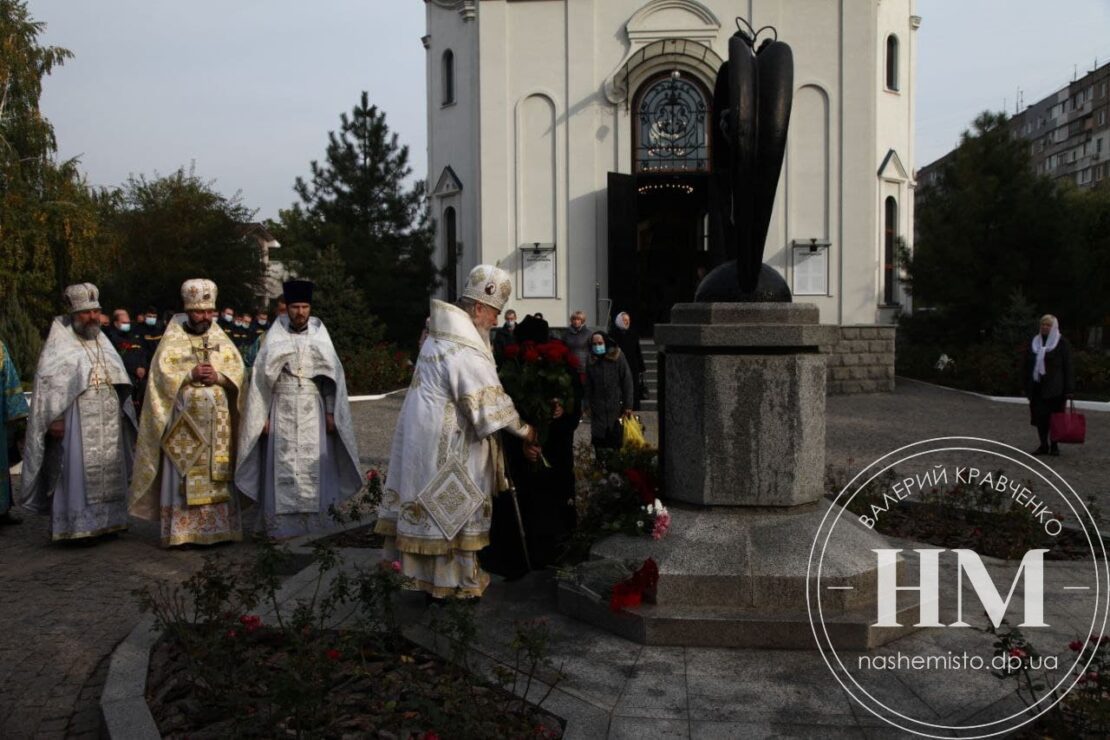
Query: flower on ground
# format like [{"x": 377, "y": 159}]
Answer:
[
  {"x": 1076, "y": 645},
  {"x": 396, "y": 566},
  {"x": 372, "y": 475},
  {"x": 1017, "y": 652},
  {"x": 662, "y": 524},
  {"x": 251, "y": 622},
  {"x": 332, "y": 654}
]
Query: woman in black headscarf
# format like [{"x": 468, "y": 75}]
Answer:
[
  {"x": 545, "y": 494},
  {"x": 629, "y": 342}
]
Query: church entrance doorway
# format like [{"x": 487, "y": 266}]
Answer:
[
  {"x": 659, "y": 247},
  {"x": 658, "y": 243}
]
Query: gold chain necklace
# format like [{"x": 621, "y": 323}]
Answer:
[{"x": 96, "y": 361}]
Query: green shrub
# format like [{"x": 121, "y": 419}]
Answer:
[
  {"x": 376, "y": 369},
  {"x": 1092, "y": 373}
]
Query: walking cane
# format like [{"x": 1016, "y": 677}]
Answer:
[{"x": 516, "y": 508}]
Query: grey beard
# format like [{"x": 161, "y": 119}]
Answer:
[
  {"x": 200, "y": 327},
  {"x": 90, "y": 330}
]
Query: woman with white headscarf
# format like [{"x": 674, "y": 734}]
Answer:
[{"x": 1049, "y": 380}]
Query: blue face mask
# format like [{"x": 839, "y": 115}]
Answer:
[
  {"x": 262, "y": 322},
  {"x": 599, "y": 349},
  {"x": 150, "y": 321},
  {"x": 125, "y": 328}
]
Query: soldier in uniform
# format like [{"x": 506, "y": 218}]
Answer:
[
  {"x": 152, "y": 330},
  {"x": 128, "y": 341}
]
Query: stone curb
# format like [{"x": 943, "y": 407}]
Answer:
[
  {"x": 1081, "y": 405},
  {"x": 125, "y": 714},
  {"x": 123, "y": 709}
]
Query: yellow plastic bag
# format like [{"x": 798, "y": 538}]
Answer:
[{"x": 633, "y": 436}]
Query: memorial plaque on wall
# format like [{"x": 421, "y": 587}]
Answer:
[
  {"x": 811, "y": 271},
  {"x": 540, "y": 273}
]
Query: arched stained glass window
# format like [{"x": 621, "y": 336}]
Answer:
[{"x": 672, "y": 135}]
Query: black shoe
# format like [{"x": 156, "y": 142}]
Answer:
[{"x": 1042, "y": 450}]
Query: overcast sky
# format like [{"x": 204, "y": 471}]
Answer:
[{"x": 248, "y": 89}]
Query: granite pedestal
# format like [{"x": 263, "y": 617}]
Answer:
[{"x": 743, "y": 424}]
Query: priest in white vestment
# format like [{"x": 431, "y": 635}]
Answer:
[
  {"x": 77, "y": 458},
  {"x": 446, "y": 461},
  {"x": 297, "y": 450}
]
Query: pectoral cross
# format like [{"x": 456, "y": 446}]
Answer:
[
  {"x": 204, "y": 353},
  {"x": 205, "y": 350}
]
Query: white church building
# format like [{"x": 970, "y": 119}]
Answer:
[{"x": 569, "y": 142}]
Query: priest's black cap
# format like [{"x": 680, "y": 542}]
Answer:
[{"x": 297, "y": 291}]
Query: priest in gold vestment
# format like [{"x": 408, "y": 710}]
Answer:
[
  {"x": 184, "y": 462},
  {"x": 446, "y": 462}
]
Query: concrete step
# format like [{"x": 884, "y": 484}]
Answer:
[{"x": 733, "y": 627}]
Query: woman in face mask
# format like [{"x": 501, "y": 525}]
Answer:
[{"x": 609, "y": 391}]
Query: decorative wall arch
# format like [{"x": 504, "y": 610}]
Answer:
[
  {"x": 663, "y": 18},
  {"x": 536, "y": 169},
  {"x": 666, "y": 34}
]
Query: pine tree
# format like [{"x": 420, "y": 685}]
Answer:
[
  {"x": 990, "y": 225},
  {"x": 341, "y": 305},
  {"x": 358, "y": 201}
]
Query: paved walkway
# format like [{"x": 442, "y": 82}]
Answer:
[{"x": 63, "y": 608}]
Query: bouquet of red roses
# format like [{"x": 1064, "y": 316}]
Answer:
[{"x": 537, "y": 375}]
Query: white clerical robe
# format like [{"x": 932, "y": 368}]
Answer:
[
  {"x": 81, "y": 479},
  {"x": 446, "y": 462},
  {"x": 299, "y": 470}
]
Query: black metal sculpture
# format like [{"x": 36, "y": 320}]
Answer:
[{"x": 751, "y": 101}]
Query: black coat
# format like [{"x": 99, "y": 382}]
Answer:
[
  {"x": 545, "y": 496},
  {"x": 1059, "y": 373},
  {"x": 1047, "y": 396},
  {"x": 609, "y": 392}
]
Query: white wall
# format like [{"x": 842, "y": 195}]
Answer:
[
  {"x": 453, "y": 134},
  {"x": 550, "y": 61}
]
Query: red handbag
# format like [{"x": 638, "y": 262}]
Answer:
[{"x": 1068, "y": 426}]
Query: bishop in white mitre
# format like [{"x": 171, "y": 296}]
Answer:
[
  {"x": 77, "y": 458},
  {"x": 446, "y": 462}
]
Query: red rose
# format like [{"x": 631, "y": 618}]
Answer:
[
  {"x": 1017, "y": 652},
  {"x": 232, "y": 634},
  {"x": 1075, "y": 645},
  {"x": 531, "y": 355},
  {"x": 554, "y": 351},
  {"x": 251, "y": 622},
  {"x": 572, "y": 360},
  {"x": 511, "y": 351},
  {"x": 624, "y": 596},
  {"x": 641, "y": 484},
  {"x": 332, "y": 654}
]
